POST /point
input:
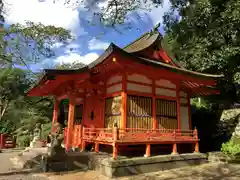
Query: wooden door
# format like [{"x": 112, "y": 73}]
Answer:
[
  {"x": 139, "y": 112},
  {"x": 166, "y": 113},
  {"x": 77, "y": 125},
  {"x": 112, "y": 111}
]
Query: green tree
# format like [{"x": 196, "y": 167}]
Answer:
[
  {"x": 112, "y": 12},
  {"x": 26, "y": 44},
  {"x": 19, "y": 113},
  {"x": 12, "y": 85},
  {"x": 74, "y": 65},
  {"x": 204, "y": 36}
]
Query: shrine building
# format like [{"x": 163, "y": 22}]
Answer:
[{"x": 136, "y": 95}]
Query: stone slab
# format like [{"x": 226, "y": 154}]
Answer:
[{"x": 133, "y": 166}]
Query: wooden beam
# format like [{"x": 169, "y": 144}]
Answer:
[
  {"x": 178, "y": 106},
  {"x": 163, "y": 73},
  {"x": 154, "y": 115},
  {"x": 124, "y": 102},
  {"x": 55, "y": 114},
  {"x": 71, "y": 113}
]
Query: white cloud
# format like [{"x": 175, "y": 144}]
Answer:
[
  {"x": 57, "y": 14},
  {"x": 95, "y": 44},
  {"x": 47, "y": 13},
  {"x": 156, "y": 15},
  {"x": 74, "y": 57}
]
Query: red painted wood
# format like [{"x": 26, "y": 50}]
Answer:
[
  {"x": 55, "y": 114},
  {"x": 154, "y": 115},
  {"x": 178, "y": 106},
  {"x": 7, "y": 141},
  {"x": 124, "y": 102},
  {"x": 71, "y": 112}
]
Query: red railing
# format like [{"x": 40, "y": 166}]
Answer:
[{"x": 138, "y": 135}]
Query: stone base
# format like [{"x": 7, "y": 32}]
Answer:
[
  {"x": 36, "y": 144},
  {"x": 28, "y": 158},
  {"x": 124, "y": 166}
]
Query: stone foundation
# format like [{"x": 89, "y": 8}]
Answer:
[{"x": 132, "y": 166}]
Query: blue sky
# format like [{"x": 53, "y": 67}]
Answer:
[{"x": 90, "y": 40}]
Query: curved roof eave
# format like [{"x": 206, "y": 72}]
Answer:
[
  {"x": 167, "y": 66},
  {"x": 111, "y": 48},
  {"x": 49, "y": 74}
]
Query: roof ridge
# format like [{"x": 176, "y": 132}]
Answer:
[
  {"x": 139, "y": 38},
  {"x": 150, "y": 32}
]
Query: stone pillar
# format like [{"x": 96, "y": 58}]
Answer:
[
  {"x": 55, "y": 114},
  {"x": 71, "y": 113}
]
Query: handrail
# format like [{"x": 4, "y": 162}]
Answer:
[{"x": 138, "y": 134}]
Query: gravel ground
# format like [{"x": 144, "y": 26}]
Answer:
[{"x": 211, "y": 171}]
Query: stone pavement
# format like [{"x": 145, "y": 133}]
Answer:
[
  {"x": 211, "y": 171},
  {"x": 7, "y": 172}
]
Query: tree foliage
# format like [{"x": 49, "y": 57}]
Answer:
[
  {"x": 205, "y": 36},
  {"x": 74, "y": 65},
  {"x": 26, "y": 44},
  {"x": 12, "y": 85},
  {"x": 112, "y": 12},
  {"x": 19, "y": 114}
]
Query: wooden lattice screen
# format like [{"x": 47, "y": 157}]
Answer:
[
  {"x": 139, "y": 112},
  {"x": 166, "y": 112},
  {"x": 112, "y": 111}
]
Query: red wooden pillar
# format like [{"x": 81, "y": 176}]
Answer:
[
  {"x": 174, "y": 149},
  {"x": 148, "y": 150},
  {"x": 114, "y": 144},
  {"x": 1, "y": 141},
  {"x": 196, "y": 147},
  {"x": 115, "y": 151},
  {"x": 55, "y": 114},
  {"x": 96, "y": 147},
  {"x": 189, "y": 111},
  {"x": 124, "y": 103},
  {"x": 154, "y": 116},
  {"x": 71, "y": 113},
  {"x": 178, "y": 106}
]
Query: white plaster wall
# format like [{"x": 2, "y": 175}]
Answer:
[
  {"x": 183, "y": 100},
  {"x": 139, "y": 88},
  {"x": 184, "y": 117},
  {"x": 166, "y": 92},
  {"x": 114, "y": 88},
  {"x": 165, "y": 83},
  {"x": 114, "y": 79},
  {"x": 139, "y": 78},
  {"x": 183, "y": 94}
]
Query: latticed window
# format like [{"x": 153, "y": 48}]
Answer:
[
  {"x": 78, "y": 114},
  {"x": 166, "y": 112},
  {"x": 139, "y": 112},
  {"x": 112, "y": 111}
]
